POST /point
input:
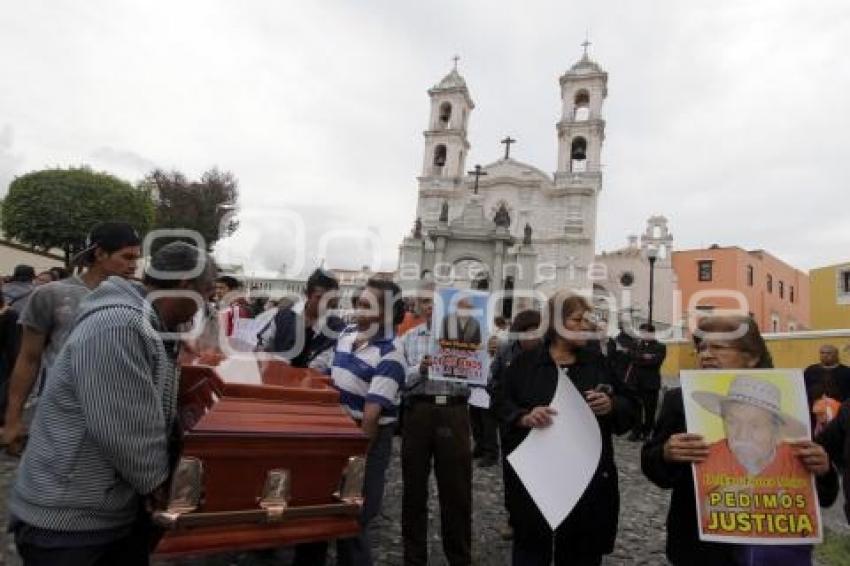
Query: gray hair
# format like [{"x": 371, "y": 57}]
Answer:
[{"x": 176, "y": 262}]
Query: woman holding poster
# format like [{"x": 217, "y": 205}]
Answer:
[
  {"x": 754, "y": 422},
  {"x": 522, "y": 399}
]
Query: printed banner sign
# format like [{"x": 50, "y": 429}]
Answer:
[
  {"x": 459, "y": 337},
  {"x": 752, "y": 489}
]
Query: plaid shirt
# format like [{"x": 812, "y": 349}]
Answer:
[{"x": 415, "y": 345}]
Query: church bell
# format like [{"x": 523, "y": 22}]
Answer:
[{"x": 579, "y": 153}]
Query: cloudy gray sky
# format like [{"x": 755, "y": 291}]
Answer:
[{"x": 729, "y": 118}]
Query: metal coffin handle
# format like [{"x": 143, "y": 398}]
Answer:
[
  {"x": 274, "y": 504},
  {"x": 351, "y": 485},
  {"x": 185, "y": 492},
  {"x": 276, "y": 494}
]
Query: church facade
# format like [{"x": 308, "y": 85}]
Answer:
[{"x": 508, "y": 226}]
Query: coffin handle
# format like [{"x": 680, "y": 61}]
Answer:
[
  {"x": 184, "y": 495},
  {"x": 276, "y": 494}
]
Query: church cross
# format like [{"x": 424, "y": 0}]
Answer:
[
  {"x": 456, "y": 58},
  {"x": 586, "y": 44},
  {"x": 508, "y": 141},
  {"x": 478, "y": 173}
]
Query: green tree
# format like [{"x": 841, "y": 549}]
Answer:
[
  {"x": 56, "y": 208},
  {"x": 195, "y": 205}
]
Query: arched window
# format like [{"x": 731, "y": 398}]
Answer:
[
  {"x": 578, "y": 155},
  {"x": 581, "y": 104},
  {"x": 439, "y": 159},
  {"x": 445, "y": 115}
]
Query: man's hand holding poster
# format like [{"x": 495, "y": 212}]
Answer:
[
  {"x": 459, "y": 340},
  {"x": 751, "y": 489}
]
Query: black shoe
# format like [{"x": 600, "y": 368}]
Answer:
[{"x": 487, "y": 462}]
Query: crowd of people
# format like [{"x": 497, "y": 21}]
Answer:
[{"x": 89, "y": 379}]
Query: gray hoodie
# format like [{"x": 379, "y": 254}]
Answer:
[
  {"x": 16, "y": 294},
  {"x": 100, "y": 436}
]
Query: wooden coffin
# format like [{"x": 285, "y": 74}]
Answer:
[{"x": 266, "y": 461}]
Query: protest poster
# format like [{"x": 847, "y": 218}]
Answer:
[
  {"x": 751, "y": 489},
  {"x": 459, "y": 340}
]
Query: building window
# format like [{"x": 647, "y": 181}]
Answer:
[
  {"x": 844, "y": 282},
  {"x": 578, "y": 155},
  {"x": 582, "y": 106},
  {"x": 750, "y": 276},
  {"x": 774, "y": 323},
  {"x": 792, "y": 327},
  {"x": 770, "y": 283},
  {"x": 445, "y": 115},
  {"x": 791, "y": 293},
  {"x": 704, "y": 270},
  {"x": 439, "y": 159},
  {"x": 781, "y": 290},
  {"x": 626, "y": 279}
]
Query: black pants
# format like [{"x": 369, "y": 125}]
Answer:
[
  {"x": 539, "y": 551},
  {"x": 131, "y": 550},
  {"x": 485, "y": 433},
  {"x": 649, "y": 404},
  {"x": 438, "y": 433}
]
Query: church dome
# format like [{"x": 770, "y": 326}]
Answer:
[
  {"x": 585, "y": 66},
  {"x": 452, "y": 80}
]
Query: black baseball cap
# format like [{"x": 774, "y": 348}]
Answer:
[
  {"x": 109, "y": 236},
  {"x": 23, "y": 272}
]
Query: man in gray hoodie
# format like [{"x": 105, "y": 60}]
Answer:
[
  {"x": 99, "y": 446},
  {"x": 17, "y": 291}
]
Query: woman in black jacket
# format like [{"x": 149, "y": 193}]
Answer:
[
  {"x": 522, "y": 401},
  {"x": 667, "y": 457}
]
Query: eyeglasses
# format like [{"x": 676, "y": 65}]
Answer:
[{"x": 714, "y": 347}]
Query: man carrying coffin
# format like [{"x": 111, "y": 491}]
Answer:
[{"x": 99, "y": 450}]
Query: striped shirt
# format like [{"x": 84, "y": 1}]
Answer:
[
  {"x": 373, "y": 373},
  {"x": 415, "y": 345},
  {"x": 99, "y": 439}
]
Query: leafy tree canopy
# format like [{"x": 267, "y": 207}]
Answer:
[
  {"x": 56, "y": 208},
  {"x": 195, "y": 205}
]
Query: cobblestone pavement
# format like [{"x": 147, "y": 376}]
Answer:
[{"x": 640, "y": 540}]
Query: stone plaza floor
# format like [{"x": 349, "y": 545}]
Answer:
[{"x": 640, "y": 540}]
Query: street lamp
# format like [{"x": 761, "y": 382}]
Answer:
[{"x": 651, "y": 255}]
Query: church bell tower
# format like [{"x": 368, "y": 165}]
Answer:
[
  {"x": 581, "y": 130},
  {"x": 446, "y": 145}
]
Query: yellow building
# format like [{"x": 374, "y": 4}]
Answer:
[
  {"x": 788, "y": 350},
  {"x": 829, "y": 292}
]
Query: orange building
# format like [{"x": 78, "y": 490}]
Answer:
[{"x": 773, "y": 292}]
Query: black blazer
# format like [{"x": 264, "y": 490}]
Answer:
[
  {"x": 647, "y": 357},
  {"x": 530, "y": 381},
  {"x": 683, "y": 544}
]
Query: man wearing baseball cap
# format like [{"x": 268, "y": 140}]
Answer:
[{"x": 112, "y": 248}]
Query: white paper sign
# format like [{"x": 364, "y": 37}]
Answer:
[
  {"x": 246, "y": 329},
  {"x": 478, "y": 397},
  {"x": 556, "y": 463}
]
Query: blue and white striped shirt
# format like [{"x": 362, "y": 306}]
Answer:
[{"x": 373, "y": 373}]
